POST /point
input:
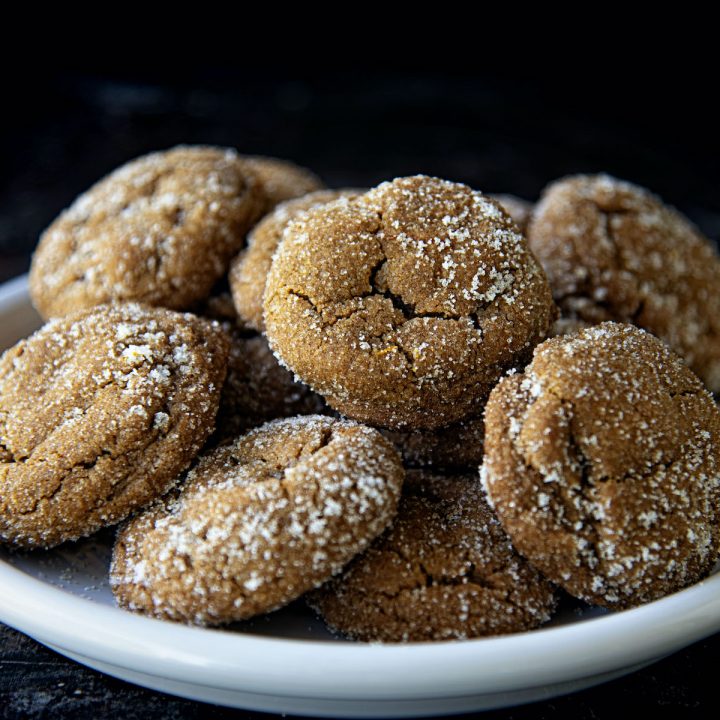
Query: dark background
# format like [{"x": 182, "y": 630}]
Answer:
[{"x": 499, "y": 132}]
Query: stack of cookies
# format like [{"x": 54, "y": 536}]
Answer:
[{"x": 281, "y": 390}]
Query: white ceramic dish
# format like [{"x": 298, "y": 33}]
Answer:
[{"x": 288, "y": 663}]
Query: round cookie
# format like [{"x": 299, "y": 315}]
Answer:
[
  {"x": 614, "y": 251},
  {"x": 602, "y": 462},
  {"x": 259, "y": 522},
  {"x": 518, "y": 209},
  {"x": 404, "y": 306},
  {"x": 248, "y": 272},
  {"x": 457, "y": 446},
  {"x": 258, "y": 389},
  {"x": 159, "y": 230},
  {"x": 281, "y": 180},
  {"x": 99, "y": 413},
  {"x": 444, "y": 570}
]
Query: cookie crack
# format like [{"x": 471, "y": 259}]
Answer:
[
  {"x": 583, "y": 466},
  {"x": 6, "y": 454},
  {"x": 565, "y": 495},
  {"x": 397, "y": 346},
  {"x": 326, "y": 437},
  {"x": 427, "y": 578},
  {"x": 150, "y": 190},
  {"x": 618, "y": 264},
  {"x": 408, "y": 311},
  {"x": 120, "y": 484},
  {"x": 90, "y": 464},
  {"x": 177, "y": 217},
  {"x": 687, "y": 393},
  {"x": 590, "y": 526}
]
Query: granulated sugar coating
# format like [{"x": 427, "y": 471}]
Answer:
[
  {"x": 259, "y": 522},
  {"x": 258, "y": 389},
  {"x": 159, "y": 230},
  {"x": 519, "y": 210},
  {"x": 281, "y": 180},
  {"x": 614, "y": 251},
  {"x": 603, "y": 465},
  {"x": 404, "y": 306},
  {"x": 444, "y": 570},
  {"x": 99, "y": 413},
  {"x": 248, "y": 272},
  {"x": 457, "y": 446}
]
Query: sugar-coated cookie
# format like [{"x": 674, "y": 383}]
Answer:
[
  {"x": 614, "y": 251},
  {"x": 444, "y": 570},
  {"x": 260, "y": 522},
  {"x": 99, "y": 413},
  {"x": 602, "y": 461},
  {"x": 404, "y": 306},
  {"x": 159, "y": 230}
]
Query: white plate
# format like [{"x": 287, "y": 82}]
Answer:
[{"x": 287, "y": 662}]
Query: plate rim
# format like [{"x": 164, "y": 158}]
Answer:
[{"x": 474, "y": 666}]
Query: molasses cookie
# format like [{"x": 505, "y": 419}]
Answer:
[
  {"x": 602, "y": 462},
  {"x": 281, "y": 180},
  {"x": 259, "y": 522},
  {"x": 444, "y": 570},
  {"x": 403, "y": 306},
  {"x": 457, "y": 446},
  {"x": 519, "y": 210},
  {"x": 99, "y": 413},
  {"x": 258, "y": 389},
  {"x": 614, "y": 251},
  {"x": 248, "y": 272},
  {"x": 159, "y": 230}
]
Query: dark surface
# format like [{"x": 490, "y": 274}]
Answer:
[{"x": 505, "y": 134}]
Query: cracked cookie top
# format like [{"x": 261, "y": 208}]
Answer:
[
  {"x": 259, "y": 522},
  {"x": 281, "y": 180},
  {"x": 444, "y": 570},
  {"x": 99, "y": 413},
  {"x": 248, "y": 272},
  {"x": 405, "y": 305},
  {"x": 602, "y": 462},
  {"x": 614, "y": 251},
  {"x": 159, "y": 230}
]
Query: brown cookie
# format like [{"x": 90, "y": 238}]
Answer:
[
  {"x": 99, "y": 413},
  {"x": 159, "y": 230},
  {"x": 281, "y": 180},
  {"x": 458, "y": 446},
  {"x": 258, "y": 389},
  {"x": 404, "y": 306},
  {"x": 444, "y": 570},
  {"x": 603, "y": 465},
  {"x": 248, "y": 272},
  {"x": 518, "y": 209},
  {"x": 259, "y": 522},
  {"x": 614, "y": 251}
]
